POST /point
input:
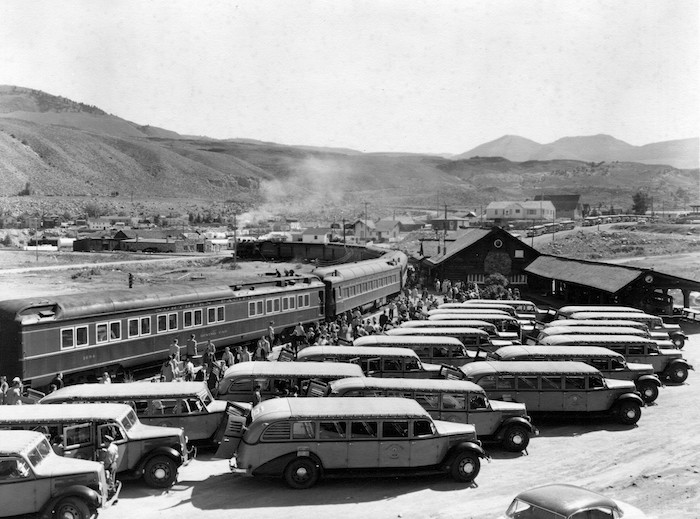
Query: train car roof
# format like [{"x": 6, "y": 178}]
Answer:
[
  {"x": 356, "y": 351},
  {"x": 300, "y": 369},
  {"x": 17, "y": 442},
  {"x": 527, "y": 366},
  {"x": 126, "y": 391},
  {"x": 50, "y": 413},
  {"x": 406, "y": 384},
  {"x": 373, "y": 340},
  {"x": 337, "y": 408},
  {"x": 348, "y": 271},
  {"x": 109, "y": 301}
]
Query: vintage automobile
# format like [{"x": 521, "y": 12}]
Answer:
[
  {"x": 303, "y": 439},
  {"x": 49, "y": 485},
  {"x": 559, "y": 501}
]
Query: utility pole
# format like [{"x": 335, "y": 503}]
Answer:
[
  {"x": 366, "y": 228},
  {"x": 343, "y": 231},
  {"x": 235, "y": 242}
]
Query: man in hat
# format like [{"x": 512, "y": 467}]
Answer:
[{"x": 109, "y": 455}]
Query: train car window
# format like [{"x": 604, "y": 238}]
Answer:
[
  {"x": 259, "y": 307},
  {"x": 211, "y": 315},
  {"x": 198, "y": 318},
  {"x": 300, "y": 301},
  {"x": 145, "y": 325},
  {"x": 67, "y": 338},
  {"x": 292, "y": 302},
  {"x": 102, "y": 335},
  {"x": 115, "y": 330},
  {"x": 285, "y": 303},
  {"x": 306, "y": 300},
  {"x": 276, "y": 303},
  {"x": 81, "y": 336},
  {"x": 220, "y": 314},
  {"x": 133, "y": 327},
  {"x": 162, "y": 323},
  {"x": 172, "y": 321},
  {"x": 187, "y": 319},
  {"x": 251, "y": 309},
  {"x": 268, "y": 306}
]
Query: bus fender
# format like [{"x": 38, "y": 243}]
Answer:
[
  {"x": 87, "y": 494},
  {"x": 631, "y": 396},
  {"x": 676, "y": 362},
  {"x": 276, "y": 466},
  {"x": 513, "y": 420},
  {"x": 158, "y": 451},
  {"x": 464, "y": 447},
  {"x": 650, "y": 378}
]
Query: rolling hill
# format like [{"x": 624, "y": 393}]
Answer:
[{"x": 67, "y": 149}]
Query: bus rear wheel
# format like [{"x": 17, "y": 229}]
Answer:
[{"x": 301, "y": 473}]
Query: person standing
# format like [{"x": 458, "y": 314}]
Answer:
[
  {"x": 298, "y": 336},
  {"x": 105, "y": 378},
  {"x": 13, "y": 396},
  {"x": 191, "y": 347},
  {"x": 228, "y": 358},
  {"x": 257, "y": 396},
  {"x": 58, "y": 381},
  {"x": 4, "y": 386},
  {"x": 189, "y": 369},
  {"x": 271, "y": 332},
  {"x": 175, "y": 349},
  {"x": 263, "y": 349},
  {"x": 245, "y": 354},
  {"x": 211, "y": 350}
]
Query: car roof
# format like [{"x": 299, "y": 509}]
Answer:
[
  {"x": 301, "y": 369},
  {"x": 338, "y": 408},
  {"x": 590, "y": 330},
  {"x": 598, "y": 339},
  {"x": 371, "y": 340},
  {"x": 40, "y": 413},
  {"x": 16, "y": 442},
  {"x": 438, "y": 330},
  {"x": 126, "y": 391},
  {"x": 592, "y": 322},
  {"x": 534, "y": 367},
  {"x": 356, "y": 351},
  {"x": 565, "y": 499},
  {"x": 406, "y": 384}
]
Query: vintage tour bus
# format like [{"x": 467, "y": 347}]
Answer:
[
  {"x": 189, "y": 405},
  {"x": 81, "y": 430},
  {"x": 375, "y": 361},
  {"x": 557, "y": 387},
  {"x": 34, "y": 480},
  {"x": 658, "y": 329},
  {"x": 602, "y": 329},
  {"x": 610, "y": 363},
  {"x": 473, "y": 339},
  {"x": 276, "y": 379},
  {"x": 489, "y": 328},
  {"x": 460, "y": 401},
  {"x": 507, "y": 325},
  {"x": 523, "y": 308},
  {"x": 304, "y": 439},
  {"x": 430, "y": 349},
  {"x": 488, "y": 306},
  {"x": 667, "y": 363}
]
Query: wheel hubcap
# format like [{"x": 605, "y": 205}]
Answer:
[
  {"x": 302, "y": 473},
  {"x": 160, "y": 473},
  {"x": 467, "y": 467},
  {"x": 631, "y": 414},
  {"x": 517, "y": 439}
]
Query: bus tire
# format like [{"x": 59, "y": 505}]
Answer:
[
  {"x": 678, "y": 374},
  {"x": 72, "y": 508},
  {"x": 649, "y": 391},
  {"x": 160, "y": 472},
  {"x": 516, "y": 438},
  {"x": 301, "y": 473},
  {"x": 629, "y": 412},
  {"x": 465, "y": 466}
]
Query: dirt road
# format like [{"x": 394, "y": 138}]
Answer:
[{"x": 654, "y": 466}]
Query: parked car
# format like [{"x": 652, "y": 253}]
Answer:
[{"x": 558, "y": 501}]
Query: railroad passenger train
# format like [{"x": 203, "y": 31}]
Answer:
[{"x": 83, "y": 335}]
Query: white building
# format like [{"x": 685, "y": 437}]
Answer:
[{"x": 529, "y": 210}]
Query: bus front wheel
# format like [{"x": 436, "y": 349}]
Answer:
[{"x": 465, "y": 466}]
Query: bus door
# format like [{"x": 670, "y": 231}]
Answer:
[
  {"x": 480, "y": 414},
  {"x": 372, "y": 366},
  {"x": 232, "y": 428},
  {"x": 575, "y": 397},
  {"x": 395, "y": 447},
  {"x": 79, "y": 441},
  {"x": 363, "y": 445},
  {"x": 114, "y": 431}
]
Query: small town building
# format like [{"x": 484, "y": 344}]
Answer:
[
  {"x": 528, "y": 210},
  {"x": 387, "y": 230},
  {"x": 318, "y": 235},
  {"x": 566, "y": 206}
]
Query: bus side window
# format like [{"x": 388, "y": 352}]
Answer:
[
  {"x": 595, "y": 382},
  {"x": 575, "y": 383},
  {"x": 332, "y": 430},
  {"x": 423, "y": 428},
  {"x": 453, "y": 401},
  {"x": 551, "y": 382},
  {"x": 487, "y": 382},
  {"x": 477, "y": 402},
  {"x": 392, "y": 365},
  {"x": 141, "y": 407},
  {"x": 78, "y": 435},
  {"x": 363, "y": 429},
  {"x": 413, "y": 365},
  {"x": 428, "y": 400},
  {"x": 506, "y": 382}
]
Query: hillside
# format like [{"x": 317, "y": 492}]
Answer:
[
  {"x": 683, "y": 153},
  {"x": 62, "y": 148}
]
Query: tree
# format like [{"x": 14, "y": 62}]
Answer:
[
  {"x": 495, "y": 287},
  {"x": 640, "y": 202}
]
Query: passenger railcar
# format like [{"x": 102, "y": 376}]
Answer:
[
  {"x": 363, "y": 283},
  {"x": 83, "y": 335}
]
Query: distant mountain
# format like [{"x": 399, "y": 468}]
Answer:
[
  {"x": 684, "y": 153},
  {"x": 67, "y": 149}
]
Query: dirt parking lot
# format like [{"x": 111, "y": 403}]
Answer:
[{"x": 654, "y": 466}]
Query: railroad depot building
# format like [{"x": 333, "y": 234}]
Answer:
[{"x": 477, "y": 253}]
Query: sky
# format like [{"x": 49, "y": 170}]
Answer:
[{"x": 377, "y": 75}]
